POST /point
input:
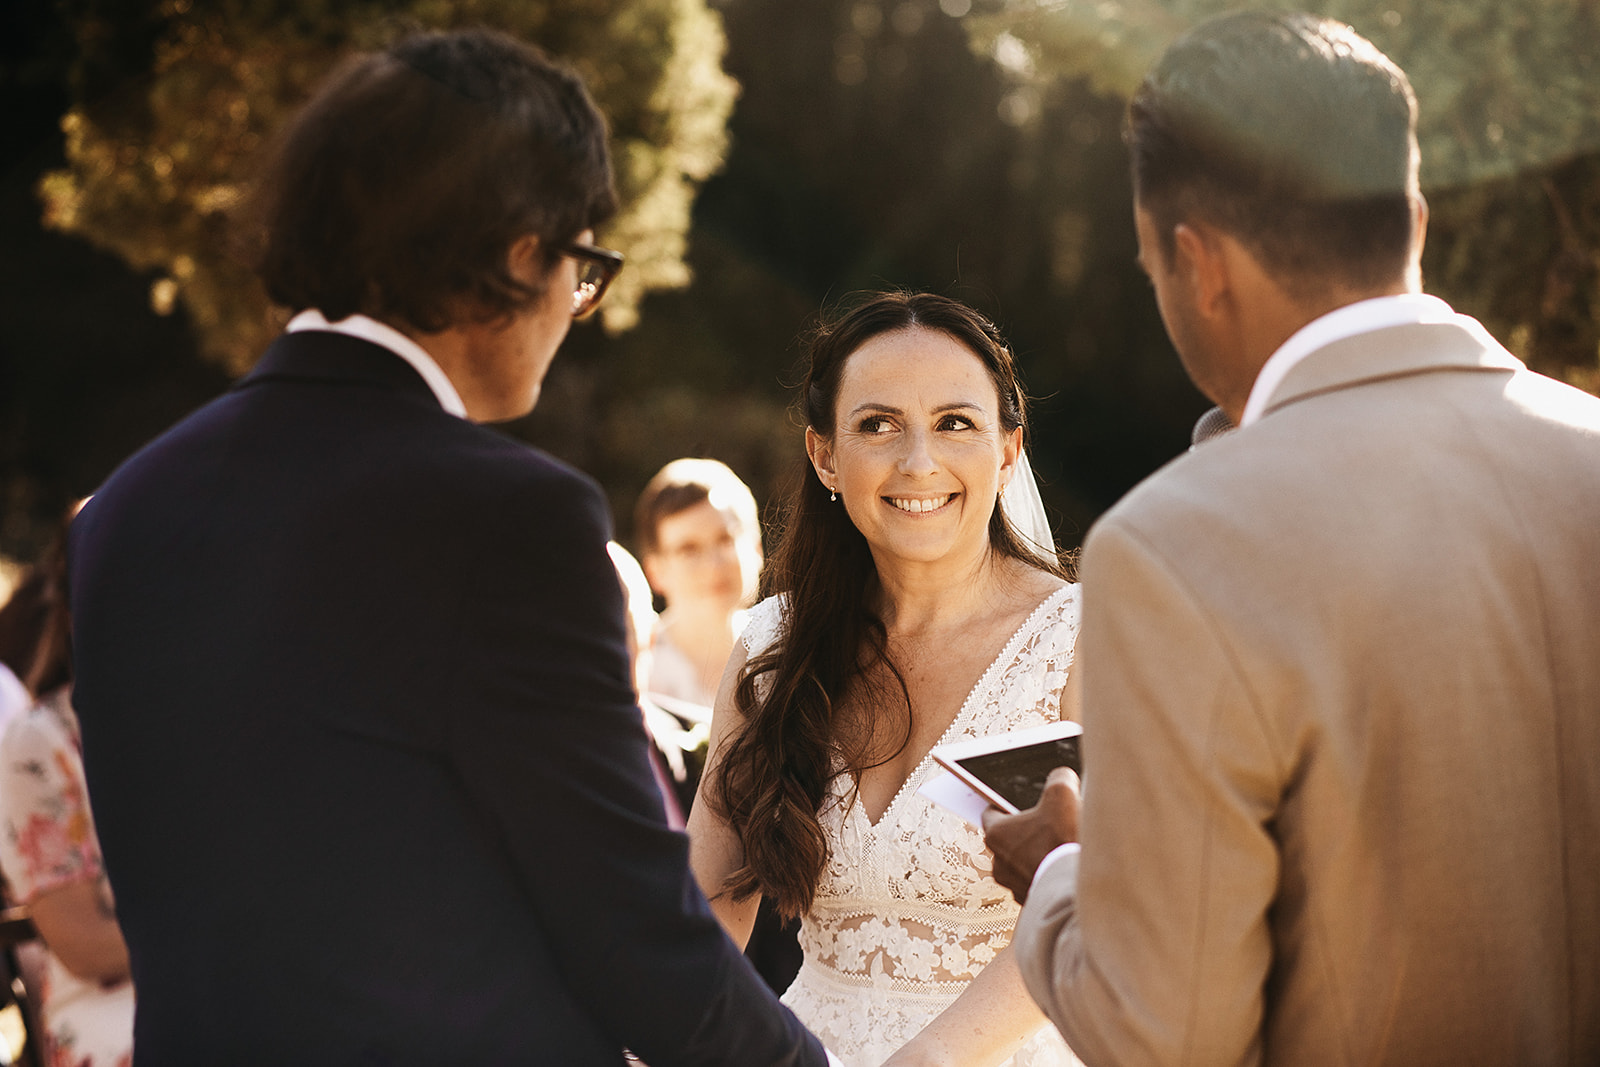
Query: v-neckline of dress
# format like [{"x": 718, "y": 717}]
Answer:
[{"x": 1007, "y": 653}]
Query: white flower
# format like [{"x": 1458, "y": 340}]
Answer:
[
  {"x": 918, "y": 959},
  {"x": 955, "y": 960}
]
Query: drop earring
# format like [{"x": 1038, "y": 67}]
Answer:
[{"x": 833, "y": 494}]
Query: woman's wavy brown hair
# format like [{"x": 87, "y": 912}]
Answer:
[{"x": 771, "y": 779}]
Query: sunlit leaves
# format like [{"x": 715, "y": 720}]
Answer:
[
  {"x": 154, "y": 168},
  {"x": 1509, "y": 125},
  {"x": 1502, "y": 84}
]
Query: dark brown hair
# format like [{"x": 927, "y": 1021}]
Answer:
[
  {"x": 682, "y": 484},
  {"x": 35, "y": 625},
  {"x": 1291, "y": 132},
  {"x": 400, "y": 188},
  {"x": 771, "y": 779}
]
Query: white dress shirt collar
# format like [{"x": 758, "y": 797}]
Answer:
[
  {"x": 1361, "y": 317},
  {"x": 369, "y": 329}
]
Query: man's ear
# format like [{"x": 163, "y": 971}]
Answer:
[
  {"x": 1419, "y": 239},
  {"x": 820, "y": 449},
  {"x": 525, "y": 259},
  {"x": 1201, "y": 262}
]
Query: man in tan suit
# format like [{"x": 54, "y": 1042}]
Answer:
[{"x": 1342, "y": 665}]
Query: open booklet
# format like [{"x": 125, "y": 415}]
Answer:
[{"x": 1006, "y": 771}]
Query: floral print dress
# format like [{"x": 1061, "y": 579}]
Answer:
[{"x": 47, "y": 841}]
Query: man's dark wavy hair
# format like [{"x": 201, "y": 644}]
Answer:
[
  {"x": 400, "y": 188},
  {"x": 1291, "y": 132}
]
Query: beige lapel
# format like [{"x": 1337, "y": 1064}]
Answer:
[{"x": 1394, "y": 352}]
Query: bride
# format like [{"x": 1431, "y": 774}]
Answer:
[{"x": 913, "y": 608}]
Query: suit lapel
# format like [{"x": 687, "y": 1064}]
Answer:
[{"x": 1393, "y": 352}]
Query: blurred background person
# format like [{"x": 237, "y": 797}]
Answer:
[
  {"x": 699, "y": 530},
  {"x": 699, "y": 538},
  {"x": 639, "y": 609},
  {"x": 21, "y": 622},
  {"x": 48, "y": 849}
]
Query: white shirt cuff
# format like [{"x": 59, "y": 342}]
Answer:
[{"x": 1071, "y": 848}]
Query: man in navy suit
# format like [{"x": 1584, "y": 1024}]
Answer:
[{"x": 370, "y": 779}]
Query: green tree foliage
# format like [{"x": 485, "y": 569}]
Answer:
[
  {"x": 1509, "y": 125},
  {"x": 155, "y": 165},
  {"x": 872, "y": 148}
]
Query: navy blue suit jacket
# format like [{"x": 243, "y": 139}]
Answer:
[{"x": 364, "y": 756}]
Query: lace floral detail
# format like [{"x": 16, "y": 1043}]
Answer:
[
  {"x": 907, "y": 911},
  {"x": 763, "y": 623}
]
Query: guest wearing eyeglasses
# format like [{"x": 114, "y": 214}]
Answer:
[
  {"x": 699, "y": 536},
  {"x": 352, "y": 669},
  {"x": 699, "y": 540}
]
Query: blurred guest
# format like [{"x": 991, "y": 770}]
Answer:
[
  {"x": 14, "y": 696},
  {"x": 51, "y": 857},
  {"x": 699, "y": 539},
  {"x": 699, "y": 536},
  {"x": 25, "y": 618},
  {"x": 641, "y": 615},
  {"x": 638, "y": 609},
  {"x": 699, "y": 529},
  {"x": 21, "y": 622}
]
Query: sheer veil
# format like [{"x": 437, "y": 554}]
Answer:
[{"x": 1024, "y": 509}]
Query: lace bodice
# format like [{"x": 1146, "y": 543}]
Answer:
[{"x": 907, "y": 911}]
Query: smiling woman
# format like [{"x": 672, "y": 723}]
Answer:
[
  {"x": 921, "y": 450},
  {"x": 907, "y": 612}
]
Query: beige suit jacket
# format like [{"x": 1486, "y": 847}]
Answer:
[{"x": 1342, "y": 731}]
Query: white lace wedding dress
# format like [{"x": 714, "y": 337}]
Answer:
[{"x": 907, "y": 912}]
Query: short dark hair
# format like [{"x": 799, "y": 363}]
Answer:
[
  {"x": 1289, "y": 131},
  {"x": 682, "y": 484},
  {"x": 400, "y": 188}
]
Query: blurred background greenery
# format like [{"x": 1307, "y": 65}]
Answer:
[{"x": 774, "y": 156}]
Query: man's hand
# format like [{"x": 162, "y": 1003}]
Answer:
[{"x": 1021, "y": 841}]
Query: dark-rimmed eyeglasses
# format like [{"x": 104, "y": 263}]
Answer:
[{"x": 596, "y": 267}]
